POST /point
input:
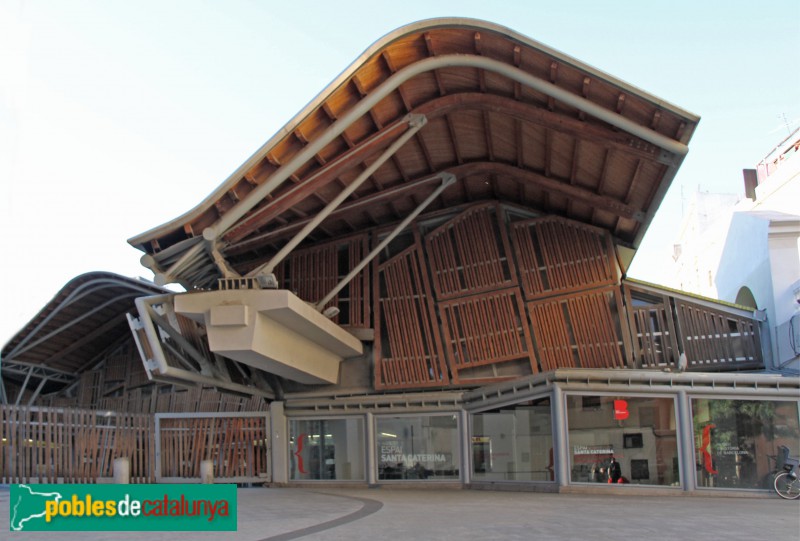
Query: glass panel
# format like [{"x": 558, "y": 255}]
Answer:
[
  {"x": 418, "y": 447},
  {"x": 326, "y": 449},
  {"x": 737, "y": 441},
  {"x": 638, "y": 433},
  {"x": 513, "y": 443}
]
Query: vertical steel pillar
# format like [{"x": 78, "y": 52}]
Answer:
[
  {"x": 372, "y": 451},
  {"x": 686, "y": 442},
  {"x": 466, "y": 447},
  {"x": 279, "y": 444},
  {"x": 560, "y": 449}
]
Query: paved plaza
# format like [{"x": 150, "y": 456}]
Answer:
[{"x": 273, "y": 514}]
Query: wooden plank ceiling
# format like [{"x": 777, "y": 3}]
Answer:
[
  {"x": 502, "y": 139},
  {"x": 84, "y": 320}
]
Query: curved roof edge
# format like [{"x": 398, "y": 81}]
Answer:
[
  {"x": 368, "y": 53},
  {"x": 38, "y": 323}
]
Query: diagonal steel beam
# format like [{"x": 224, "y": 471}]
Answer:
[
  {"x": 416, "y": 122},
  {"x": 364, "y": 150},
  {"x": 447, "y": 180}
]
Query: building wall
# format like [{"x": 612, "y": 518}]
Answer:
[{"x": 754, "y": 244}]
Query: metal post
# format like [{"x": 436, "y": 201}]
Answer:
[
  {"x": 157, "y": 442},
  {"x": 372, "y": 451},
  {"x": 447, "y": 180},
  {"x": 280, "y": 443},
  {"x": 560, "y": 450},
  {"x": 466, "y": 447},
  {"x": 686, "y": 439}
]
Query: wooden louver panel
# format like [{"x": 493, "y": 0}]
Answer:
[
  {"x": 578, "y": 331},
  {"x": 486, "y": 329},
  {"x": 407, "y": 344},
  {"x": 468, "y": 254},
  {"x": 313, "y": 272},
  {"x": 558, "y": 256},
  {"x": 713, "y": 338},
  {"x": 654, "y": 339}
]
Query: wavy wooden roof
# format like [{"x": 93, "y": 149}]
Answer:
[
  {"x": 73, "y": 331},
  {"x": 512, "y": 119}
]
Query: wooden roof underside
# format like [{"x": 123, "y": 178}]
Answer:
[
  {"x": 84, "y": 320},
  {"x": 502, "y": 139}
]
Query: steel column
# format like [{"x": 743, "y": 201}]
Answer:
[
  {"x": 686, "y": 442},
  {"x": 560, "y": 449}
]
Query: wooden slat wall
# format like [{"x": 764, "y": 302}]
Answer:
[
  {"x": 49, "y": 445},
  {"x": 237, "y": 445},
  {"x": 121, "y": 385},
  {"x": 713, "y": 338},
  {"x": 485, "y": 329},
  {"x": 578, "y": 330},
  {"x": 90, "y": 388},
  {"x": 465, "y": 256},
  {"x": 408, "y": 348},
  {"x": 651, "y": 323},
  {"x": 553, "y": 342},
  {"x": 313, "y": 272},
  {"x": 358, "y": 303},
  {"x": 556, "y": 256},
  {"x": 194, "y": 333}
]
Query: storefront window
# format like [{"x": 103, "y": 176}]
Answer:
[
  {"x": 326, "y": 449},
  {"x": 737, "y": 441},
  {"x": 513, "y": 443},
  {"x": 638, "y": 433},
  {"x": 413, "y": 448}
]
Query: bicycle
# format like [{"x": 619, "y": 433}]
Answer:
[{"x": 787, "y": 482}]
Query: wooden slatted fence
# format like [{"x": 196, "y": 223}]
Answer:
[
  {"x": 236, "y": 444},
  {"x": 54, "y": 445}
]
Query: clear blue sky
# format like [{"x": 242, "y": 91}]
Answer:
[{"x": 116, "y": 116}]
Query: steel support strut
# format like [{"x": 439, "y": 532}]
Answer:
[
  {"x": 415, "y": 122},
  {"x": 447, "y": 180}
]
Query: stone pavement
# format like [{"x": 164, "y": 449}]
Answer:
[{"x": 274, "y": 514}]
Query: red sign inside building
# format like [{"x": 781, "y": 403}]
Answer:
[{"x": 621, "y": 410}]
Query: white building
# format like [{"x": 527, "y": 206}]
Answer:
[{"x": 748, "y": 252}]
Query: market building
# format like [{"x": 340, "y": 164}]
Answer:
[{"x": 421, "y": 279}]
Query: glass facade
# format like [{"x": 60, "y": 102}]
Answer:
[
  {"x": 639, "y": 433},
  {"x": 737, "y": 441},
  {"x": 513, "y": 443},
  {"x": 327, "y": 449},
  {"x": 416, "y": 448}
]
